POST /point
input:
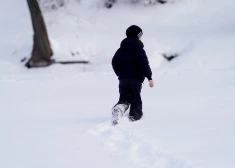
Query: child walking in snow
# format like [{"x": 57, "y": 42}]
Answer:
[{"x": 131, "y": 65}]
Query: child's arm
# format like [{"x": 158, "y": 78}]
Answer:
[{"x": 144, "y": 63}]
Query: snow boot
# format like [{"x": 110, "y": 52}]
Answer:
[{"x": 117, "y": 112}]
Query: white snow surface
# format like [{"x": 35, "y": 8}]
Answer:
[{"x": 60, "y": 116}]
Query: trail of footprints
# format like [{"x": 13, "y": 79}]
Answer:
[{"x": 134, "y": 148}]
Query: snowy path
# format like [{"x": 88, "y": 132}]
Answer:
[
  {"x": 62, "y": 123},
  {"x": 129, "y": 142}
]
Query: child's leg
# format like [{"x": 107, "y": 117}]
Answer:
[
  {"x": 125, "y": 92},
  {"x": 136, "y": 104},
  {"x": 124, "y": 101}
]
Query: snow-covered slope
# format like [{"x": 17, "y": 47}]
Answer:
[{"x": 60, "y": 116}]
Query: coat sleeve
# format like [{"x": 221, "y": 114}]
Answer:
[
  {"x": 115, "y": 64},
  {"x": 144, "y": 64}
]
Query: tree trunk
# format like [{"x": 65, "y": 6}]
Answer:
[{"x": 42, "y": 52}]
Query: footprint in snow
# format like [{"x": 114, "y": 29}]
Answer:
[{"x": 134, "y": 147}]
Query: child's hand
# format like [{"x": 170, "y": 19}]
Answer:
[{"x": 151, "y": 83}]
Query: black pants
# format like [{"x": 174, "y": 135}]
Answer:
[{"x": 130, "y": 90}]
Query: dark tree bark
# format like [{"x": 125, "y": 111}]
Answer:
[{"x": 42, "y": 52}]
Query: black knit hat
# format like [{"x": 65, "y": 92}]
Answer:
[{"x": 134, "y": 32}]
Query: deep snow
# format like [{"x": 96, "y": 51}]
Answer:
[{"x": 60, "y": 116}]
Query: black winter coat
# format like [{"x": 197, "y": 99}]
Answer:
[{"x": 130, "y": 61}]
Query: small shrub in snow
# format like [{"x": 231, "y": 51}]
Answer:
[
  {"x": 51, "y": 4},
  {"x": 153, "y": 2},
  {"x": 110, "y": 3}
]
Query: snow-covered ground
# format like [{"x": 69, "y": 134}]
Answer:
[{"x": 60, "y": 116}]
